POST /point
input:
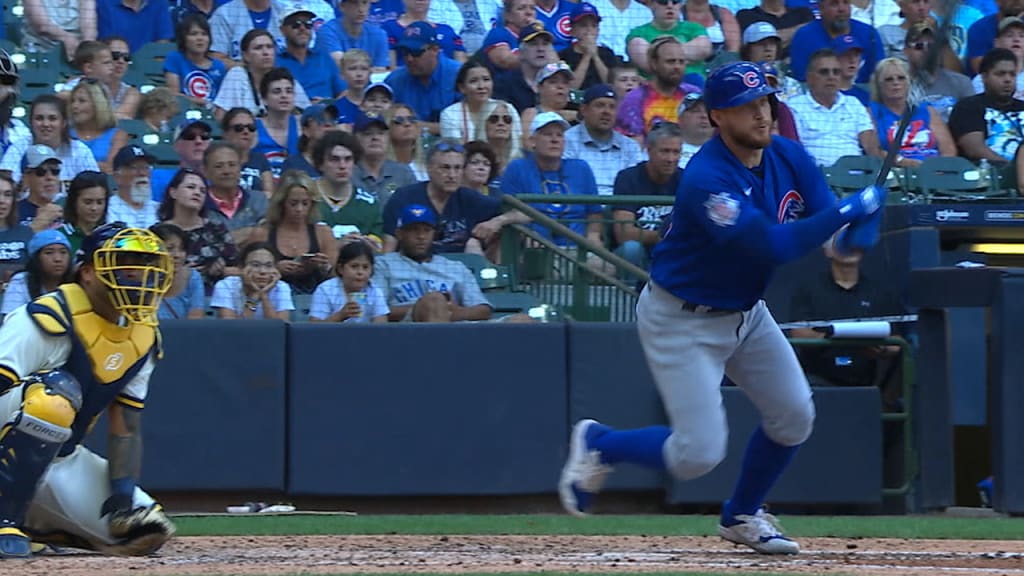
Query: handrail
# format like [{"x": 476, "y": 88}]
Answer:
[
  {"x": 547, "y": 243},
  {"x": 590, "y": 199}
]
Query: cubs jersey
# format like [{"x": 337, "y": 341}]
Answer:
[
  {"x": 558, "y": 21},
  {"x": 704, "y": 257}
]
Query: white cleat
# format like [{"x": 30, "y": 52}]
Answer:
[
  {"x": 761, "y": 532},
  {"x": 583, "y": 474}
]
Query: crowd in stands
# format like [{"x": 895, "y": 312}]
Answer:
[{"x": 326, "y": 139}]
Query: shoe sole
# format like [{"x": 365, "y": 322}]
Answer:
[
  {"x": 759, "y": 547},
  {"x": 577, "y": 451}
]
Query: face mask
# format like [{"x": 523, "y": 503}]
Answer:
[{"x": 140, "y": 190}]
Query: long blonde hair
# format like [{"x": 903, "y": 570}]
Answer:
[
  {"x": 292, "y": 179},
  {"x": 515, "y": 144},
  {"x": 102, "y": 111}
]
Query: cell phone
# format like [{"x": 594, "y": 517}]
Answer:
[{"x": 308, "y": 256}]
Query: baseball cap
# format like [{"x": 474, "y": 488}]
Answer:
[
  {"x": 919, "y": 29},
  {"x": 759, "y": 31},
  {"x": 364, "y": 121},
  {"x": 316, "y": 112},
  {"x": 532, "y": 31},
  {"x": 690, "y": 100},
  {"x": 551, "y": 69},
  {"x": 845, "y": 43},
  {"x": 1008, "y": 22},
  {"x": 188, "y": 123},
  {"x": 7, "y": 65},
  {"x": 293, "y": 8},
  {"x": 36, "y": 155},
  {"x": 417, "y": 36},
  {"x": 379, "y": 85},
  {"x": 129, "y": 154},
  {"x": 416, "y": 214},
  {"x": 598, "y": 91},
  {"x": 46, "y": 238},
  {"x": 544, "y": 118},
  {"x": 584, "y": 9}
]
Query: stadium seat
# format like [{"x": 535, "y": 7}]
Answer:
[
  {"x": 854, "y": 173},
  {"x": 494, "y": 278},
  {"x": 474, "y": 262},
  {"x": 135, "y": 128},
  {"x": 956, "y": 178},
  {"x": 511, "y": 302}
]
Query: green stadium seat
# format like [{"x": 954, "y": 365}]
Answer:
[
  {"x": 854, "y": 173},
  {"x": 957, "y": 178},
  {"x": 494, "y": 278},
  {"x": 474, "y": 262},
  {"x": 512, "y": 302},
  {"x": 149, "y": 60},
  {"x": 135, "y": 128}
]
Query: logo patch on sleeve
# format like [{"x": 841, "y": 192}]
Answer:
[{"x": 723, "y": 209}]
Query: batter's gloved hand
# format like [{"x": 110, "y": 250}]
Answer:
[
  {"x": 136, "y": 531},
  {"x": 864, "y": 203},
  {"x": 862, "y": 234}
]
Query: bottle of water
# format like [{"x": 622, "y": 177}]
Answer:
[
  {"x": 985, "y": 171},
  {"x": 425, "y": 138}
]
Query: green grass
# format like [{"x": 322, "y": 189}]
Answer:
[
  {"x": 549, "y": 574},
  {"x": 837, "y": 526}
]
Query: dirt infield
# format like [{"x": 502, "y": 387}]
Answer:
[{"x": 454, "y": 554}]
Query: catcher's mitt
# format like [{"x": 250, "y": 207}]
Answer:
[{"x": 139, "y": 531}]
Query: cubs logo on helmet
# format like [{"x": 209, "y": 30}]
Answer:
[
  {"x": 750, "y": 79},
  {"x": 791, "y": 208},
  {"x": 197, "y": 84},
  {"x": 735, "y": 84}
]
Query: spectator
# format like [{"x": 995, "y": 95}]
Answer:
[
  {"x": 352, "y": 32},
  {"x": 383, "y": 10},
  {"x": 518, "y": 87},
  {"x": 637, "y": 226},
  {"x": 350, "y": 296},
  {"x": 553, "y": 81},
  {"x": 41, "y": 168},
  {"x": 12, "y": 130},
  {"x": 303, "y": 248},
  {"x": 786, "y": 20},
  {"x": 93, "y": 123},
  {"x": 426, "y": 82},
  {"x": 875, "y": 13},
  {"x": 182, "y": 8},
  {"x": 722, "y": 29},
  {"x": 590, "y": 62},
  {"x": 894, "y": 35},
  {"x": 239, "y": 128},
  {"x": 691, "y": 38},
  {"x": 500, "y": 51},
  {"x": 468, "y": 222},
  {"x": 982, "y": 34},
  {"x": 446, "y": 38},
  {"x": 621, "y": 17},
  {"x": 156, "y": 108},
  {"x": 482, "y": 168},
  {"x": 831, "y": 124},
  {"x": 988, "y": 126},
  {"x": 659, "y": 97},
  {"x": 236, "y": 19},
  {"x": 784, "y": 124},
  {"x": 964, "y": 16},
  {"x": 124, "y": 97},
  {"x": 310, "y": 66},
  {"x": 227, "y": 202},
  {"x": 49, "y": 23},
  {"x": 241, "y": 84},
  {"x": 1011, "y": 37},
  {"x": 835, "y": 21},
  {"x": 375, "y": 172},
  {"x": 407, "y": 142},
  {"x": 185, "y": 299},
  {"x": 926, "y": 136},
  {"x": 210, "y": 247},
  {"x": 348, "y": 211},
  {"x": 48, "y": 266},
  {"x": 14, "y": 236},
  {"x": 848, "y": 51},
  {"x": 191, "y": 139},
  {"x": 422, "y": 287},
  {"x": 85, "y": 207},
  {"x": 316, "y": 121},
  {"x": 555, "y": 15},
  {"x": 355, "y": 71},
  {"x": 939, "y": 87},
  {"x": 465, "y": 120},
  {"x": 595, "y": 142},
  {"x": 471, "y": 19},
  {"x": 133, "y": 201},
  {"x": 762, "y": 44},
  {"x": 48, "y": 122},
  {"x": 624, "y": 77},
  {"x": 139, "y": 21},
  {"x": 277, "y": 133},
  {"x": 502, "y": 133},
  {"x": 695, "y": 126},
  {"x": 549, "y": 172},
  {"x": 377, "y": 99},
  {"x": 257, "y": 293},
  {"x": 190, "y": 70}
]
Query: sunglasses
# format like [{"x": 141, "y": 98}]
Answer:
[
  {"x": 239, "y": 128},
  {"x": 921, "y": 45},
  {"x": 121, "y": 56},
  {"x": 307, "y": 24},
  {"x": 828, "y": 71},
  {"x": 667, "y": 2},
  {"x": 415, "y": 53},
  {"x": 192, "y": 136},
  {"x": 42, "y": 171},
  {"x": 503, "y": 118},
  {"x": 403, "y": 120},
  {"x": 449, "y": 147}
]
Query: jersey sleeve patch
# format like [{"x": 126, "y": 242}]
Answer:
[{"x": 722, "y": 209}]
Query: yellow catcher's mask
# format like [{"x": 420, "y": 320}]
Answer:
[{"x": 136, "y": 269}]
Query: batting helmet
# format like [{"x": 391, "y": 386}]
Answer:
[{"x": 736, "y": 84}]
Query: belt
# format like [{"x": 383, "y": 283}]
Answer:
[{"x": 704, "y": 309}]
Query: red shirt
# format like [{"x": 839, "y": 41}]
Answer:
[{"x": 228, "y": 207}]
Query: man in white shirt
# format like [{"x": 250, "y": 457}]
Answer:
[
  {"x": 619, "y": 18},
  {"x": 133, "y": 202},
  {"x": 830, "y": 123},
  {"x": 230, "y": 22},
  {"x": 594, "y": 141},
  {"x": 694, "y": 124}
]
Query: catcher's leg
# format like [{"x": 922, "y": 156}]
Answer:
[{"x": 29, "y": 441}]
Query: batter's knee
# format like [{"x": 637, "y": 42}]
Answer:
[
  {"x": 793, "y": 429},
  {"x": 687, "y": 459},
  {"x": 53, "y": 396}
]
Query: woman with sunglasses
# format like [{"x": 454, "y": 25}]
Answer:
[
  {"x": 49, "y": 22},
  {"x": 928, "y": 136},
  {"x": 416, "y": 11},
  {"x": 277, "y": 132},
  {"x": 85, "y": 207},
  {"x": 93, "y": 122},
  {"x": 465, "y": 120},
  {"x": 239, "y": 126},
  {"x": 124, "y": 97},
  {"x": 406, "y": 140},
  {"x": 241, "y": 85},
  {"x": 666, "y": 22},
  {"x": 503, "y": 133},
  {"x": 48, "y": 121},
  {"x": 192, "y": 63}
]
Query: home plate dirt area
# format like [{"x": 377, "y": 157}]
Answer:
[{"x": 458, "y": 554}]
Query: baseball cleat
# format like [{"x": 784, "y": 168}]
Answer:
[
  {"x": 583, "y": 474},
  {"x": 14, "y": 543},
  {"x": 760, "y": 531}
]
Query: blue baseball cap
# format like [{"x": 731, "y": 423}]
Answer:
[
  {"x": 534, "y": 30},
  {"x": 47, "y": 238},
  {"x": 365, "y": 120},
  {"x": 417, "y": 36},
  {"x": 316, "y": 112},
  {"x": 598, "y": 91},
  {"x": 416, "y": 214},
  {"x": 845, "y": 43},
  {"x": 584, "y": 9}
]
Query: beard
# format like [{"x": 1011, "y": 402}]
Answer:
[
  {"x": 753, "y": 140},
  {"x": 839, "y": 25}
]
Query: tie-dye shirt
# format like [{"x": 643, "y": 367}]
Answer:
[{"x": 643, "y": 105}]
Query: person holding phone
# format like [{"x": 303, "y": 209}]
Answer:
[{"x": 349, "y": 297}]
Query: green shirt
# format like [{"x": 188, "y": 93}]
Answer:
[
  {"x": 362, "y": 211},
  {"x": 683, "y": 31}
]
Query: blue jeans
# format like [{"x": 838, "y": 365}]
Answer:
[{"x": 635, "y": 253}]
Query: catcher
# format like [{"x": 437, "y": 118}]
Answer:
[{"x": 64, "y": 358}]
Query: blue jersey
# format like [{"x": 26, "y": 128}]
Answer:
[
  {"x": 276, "y": 154},
  {"x": 703, "y": 258},
  {"x": 558, "y": 21},
  {"x": 195, "y": 81}
]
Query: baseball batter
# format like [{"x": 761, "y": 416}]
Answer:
[
  {"x": 66, "y": 357},
  {"x": 747, "y": 203}
]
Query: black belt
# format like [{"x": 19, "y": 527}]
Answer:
[{"x": 704, "y": 309}]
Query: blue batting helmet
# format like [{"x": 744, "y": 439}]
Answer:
[{"x": 735, "y": 84}]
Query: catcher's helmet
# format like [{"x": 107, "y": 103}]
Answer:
[
  {"x": 7, "y": 65},
  {"x": 736, "y": 84},
  {"x": 134, "y": 266}
]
